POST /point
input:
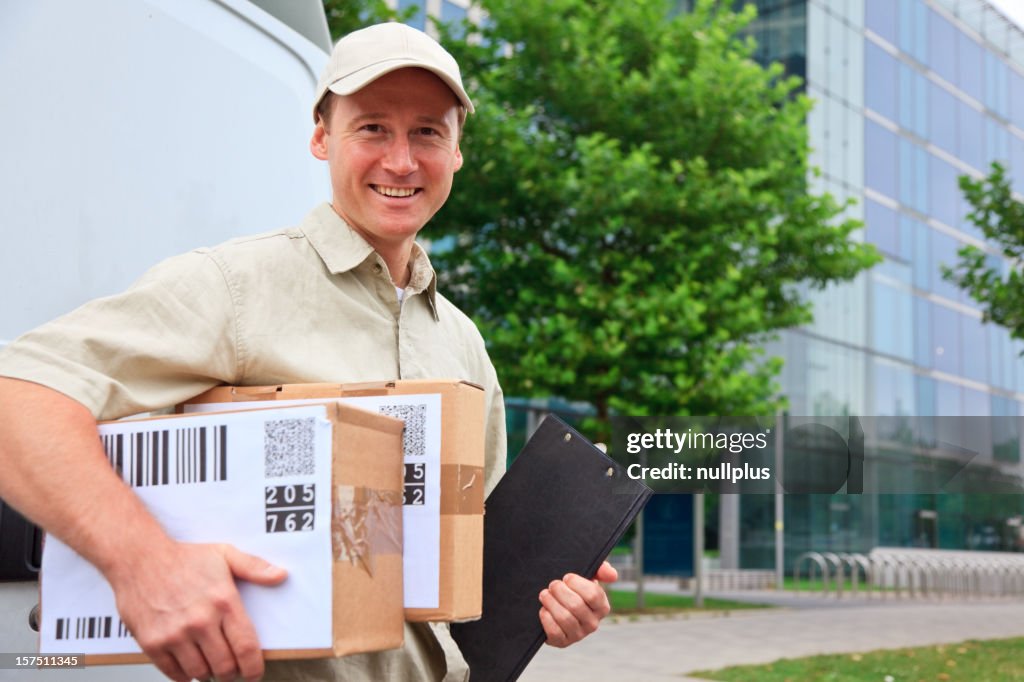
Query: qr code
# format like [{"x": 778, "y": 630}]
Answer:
[
  {"x": 288, "y": 446},
  {"x": 415, "y": 416}
]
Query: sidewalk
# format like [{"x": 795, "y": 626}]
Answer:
[{"x": 659, "y": 649}]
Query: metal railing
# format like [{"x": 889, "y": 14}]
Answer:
[{"x": 914, "y": 573}]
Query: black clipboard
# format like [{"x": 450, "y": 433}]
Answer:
[{"x": 561, "y": 508}]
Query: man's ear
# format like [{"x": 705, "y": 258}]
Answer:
[
  {"x": 458, "y": 157},
  {"x": 318, "y": 143}
]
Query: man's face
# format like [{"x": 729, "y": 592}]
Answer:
[{"x": 392, "y": 149}]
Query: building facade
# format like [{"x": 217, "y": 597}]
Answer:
[{"x": 910, "y": 95}]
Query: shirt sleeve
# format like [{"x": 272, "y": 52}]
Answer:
[{"x": 168, "y": 337}]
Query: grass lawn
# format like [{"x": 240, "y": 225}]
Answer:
[
  {"x": 971, "y": 661},
  {"x": 624, "y": 603}
]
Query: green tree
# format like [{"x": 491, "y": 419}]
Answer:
[
  {"x": 998, "y": 289},
  {"x": 633, "y": 221}
]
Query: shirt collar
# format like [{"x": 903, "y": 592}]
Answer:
[{"x": 342, "y": 249}]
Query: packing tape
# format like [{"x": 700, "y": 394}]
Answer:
[
  {"x": 463, "y": 489},
  {"x": 365, "y": 523}
]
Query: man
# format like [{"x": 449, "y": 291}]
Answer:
[{"x": 346, "y": 296}]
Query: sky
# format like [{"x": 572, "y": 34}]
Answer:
[{"x": 1014, "y": 9}]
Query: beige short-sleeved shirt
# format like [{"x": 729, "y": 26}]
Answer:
[{"x": 307, "y": 304}]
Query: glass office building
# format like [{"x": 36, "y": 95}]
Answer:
[{"x": 910, "y": 94}]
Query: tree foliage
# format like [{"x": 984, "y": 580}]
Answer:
[
  {"x": 633, "y": 221},
  {"x": 633, "y": 217},
  {"x": 998, "y": 289}
]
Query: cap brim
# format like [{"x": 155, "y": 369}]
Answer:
[{"x": 357, "y": 81}]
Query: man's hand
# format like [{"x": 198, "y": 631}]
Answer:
[
  {"x": 574, "y": 606},
  {"x": 181, "y": 604}
]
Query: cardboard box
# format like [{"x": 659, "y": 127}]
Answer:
[
  {"x": 460, "y": 540},
  {"x": 194, "y": 471}
]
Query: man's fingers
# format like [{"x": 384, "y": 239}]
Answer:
[
  {"x": 252, "y": 568},
  {"x": 238, "y": 630},
  {"x": 607, "y": 573},
  {"x": 561, "y": 612},
  {"x": 590, "y": 592},
  {"x": 168, "y": 665},
  {"x": 219, "y": 658},
  {"x": 191, "y": 660},
  {"x": 556, "y": 637}
]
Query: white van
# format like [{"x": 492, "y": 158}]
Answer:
[{"x": 133, "y": 130}]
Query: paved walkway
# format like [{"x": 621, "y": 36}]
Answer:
[{"x": 666, "y": 650}]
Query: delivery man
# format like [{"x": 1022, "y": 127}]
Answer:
[{"x": 346, "y": 296}]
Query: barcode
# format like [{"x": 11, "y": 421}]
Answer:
[
  {"x": 91, "y": 627},
  {"x": 289, "y": 447},
  {"x": 169, "y": 456},
  {"x": 414, "y": 435}
]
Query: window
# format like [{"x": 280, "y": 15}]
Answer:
[
  {"x": 892, "y": 323},
  {"x": 913, "y": 29},
  {"x": 419, "y": 18},
  {"x": 971, "y": 147},
  {"x": 969, "y": 66},
  {"x": 941, "y": 39},
  {"x": 880, "y": 159},
  {"x": 913, "y": 174},
  {"x": 913, "y": 101},
  {"x": 880, "y": 224},
  {"x": 894, "y": 390},
  {"x": 880, "y": 80},
  {"x": 945, "y": 192},
  {"x": 943, "y": 252},
  {"x": 945, "y": 332},
  {"x": 922, "y": 332},
  {"x": 1016, "y": 85},
  {"x": 975, "y": 345},
  {"x": 922, "y": 255},
  {"x": 996, "y": 88},
  {"x": 942, "y": 118},
  {"x": 880, "y": 17},
  {"x": 453, "y": 14}
]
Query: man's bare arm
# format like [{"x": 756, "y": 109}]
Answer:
[{"x": 179, "y": 600}]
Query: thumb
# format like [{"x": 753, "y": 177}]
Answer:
[
  {"x": 606, "y": 573},
  {"x": 253, "y": 568}
]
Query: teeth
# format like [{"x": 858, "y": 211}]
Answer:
[{"x": 394, "y": 191}]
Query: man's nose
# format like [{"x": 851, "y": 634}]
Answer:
[{"x": 399, "y": 157}]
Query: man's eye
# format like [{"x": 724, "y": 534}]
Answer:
[
  {"x": 427, "y": 131},
  {"x": 373, "y": 128}
]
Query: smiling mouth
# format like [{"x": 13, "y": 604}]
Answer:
[{"x": 395, "y": 192}]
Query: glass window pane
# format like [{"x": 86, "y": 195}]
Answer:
[
  {"x": 945, "y": 340},
  {"x": 945, "y": 191},
  {"x": 880, "y": 17},
  {"x": 969, "y": 68},
  {"x": 922, "y": 261},
  {"x": 941, "y": 38},
  {"x": 1017, "y": 99},
  {"x": 971, "y": 148},
  {"x": 942, "y": 118},
  {"x": 894, "y": 391},
  {"x": 944, "y": 250},
  {"x": 892, "y": 321},
  {"x": 880, "y": 224},
  {"x": 996, "y": 85},
  {"x": 880, "y": 88},
  {"x": 880, "y": 159},
  {"x": 974, "y": 348},
  {"x": 948, "y": 401},
  {"x": 419, "y": 19},
  {"x": 452, "y": 13},
  {"x": 922, "y": 332},
  {"x": 925, "y": 396}
]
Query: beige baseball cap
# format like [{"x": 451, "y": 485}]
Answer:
[{"x": 365, "y": 55}]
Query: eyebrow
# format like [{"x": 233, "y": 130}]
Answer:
[{"x": 378, "y": 115}]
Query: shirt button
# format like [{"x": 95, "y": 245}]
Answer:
[{"x": 378, "y": 268}]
